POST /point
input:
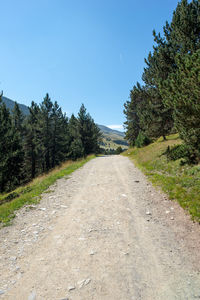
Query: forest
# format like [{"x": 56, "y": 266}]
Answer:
[
  {"x": 33, "y": 144},
  {"x": 168, "y": 101}
]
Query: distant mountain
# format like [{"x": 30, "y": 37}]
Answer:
[
  {"x": 10, "y": 104},
  {"x": 112, "y": 138},
  {"x": 108, "y": 130}
]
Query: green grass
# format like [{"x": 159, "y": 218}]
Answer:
[
  {"x": 181, "y": 183},
  {"x": 31, "y": 193},
  {"x": 111, "y": 144}
]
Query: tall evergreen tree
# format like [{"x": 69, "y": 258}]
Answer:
[
  {"x": 132, "y": 124},
  {"x": 159, "y": 65},
  {"x": 32, "y": 143},
  {"x": 182, "y": 91},
  {"x": 76, "y": 149},
  {"x": 5, "y": 128},
  {"x": 17, "y": 161},
  {"x": 89, "y": 133},
  {"x": 45, "y": 123},
  {"x": 59, "y": 146},
  {"x": 17, "y": 118},
  {"x": 11, "y": 149}
]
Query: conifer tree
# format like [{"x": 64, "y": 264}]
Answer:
[
  {"x": 32, "y": 143},
  {"x": 76, "y": 149},
  {"x": 11, "y": 159},
  {"x": 59, "y": 147},
  {"x": 89, "y": 133},
  {"x": 132, "y": 124},
  {"x": 17, "y": 118},
  {"x": 182, "y": 91},
  {"x": 5, "y": 128},
  {"x": 45, "y": 124}
]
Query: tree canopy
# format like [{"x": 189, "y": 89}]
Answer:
[
  {"x": 42, "y": 140},
  {"x": 169, "y": 100}
]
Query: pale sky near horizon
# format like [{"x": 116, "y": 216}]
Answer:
[{"x": 87, "y": 51}]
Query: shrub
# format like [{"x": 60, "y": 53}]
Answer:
[
  {"x": 177, "y": 152},
  {"x": 119, "y": 150},
  {"x": 142, "y": 140}
]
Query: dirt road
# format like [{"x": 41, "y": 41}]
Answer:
[{"x": 104, "y": 233}]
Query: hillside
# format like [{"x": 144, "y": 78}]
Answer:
[
  {"x": 10, "y": 104},
  {"x": 112, "y": 139},
  {"x": 180, "y": 181},
  {"x": 108, "y": 130}
]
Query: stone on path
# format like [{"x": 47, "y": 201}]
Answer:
[
  {"x": 63, "y": 206},
  {"x": 148, "y": 213},
  {"x": 71, "y": 288}
]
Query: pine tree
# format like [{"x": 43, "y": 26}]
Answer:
[
  {"x": 96, "y": 138},
  {"x": 45, "y": 124},
  {"x": 89, "y": 133},
  {"x": 11, "y": 159},
  {"x": 18, "y": 119},
  {"x": 5, "y": 129},
  {"x": 76, "y": 149},
  {"x": 132, "y": 124},
  {"x": 17, "y": 133},
  {"x": 159, "y": 66},
  {"x": 59, "y": 147},
  {"x": 155, "y": 118},
  {"x": 32, "y": 143},
  {"x": 182, "y": 90}
]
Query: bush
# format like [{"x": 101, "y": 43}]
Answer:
[
  {"x": 119, "y": 150},
  {"x": 177, "y": 152},
  {"x": 182, "y": 151},
  {"x": 142, "y": 140}
]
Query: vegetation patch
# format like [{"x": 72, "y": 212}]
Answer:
[
  {"x": 180, "y": 182},
  {"x": 31, "y": 193}
]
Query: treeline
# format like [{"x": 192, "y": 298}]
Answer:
[
  {"x": 34, "y": 144},
  {"x": 169, "y": 100}
]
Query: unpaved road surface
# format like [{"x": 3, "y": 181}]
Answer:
[{"x": 104, "y": 233}]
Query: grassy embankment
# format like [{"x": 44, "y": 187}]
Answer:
[
  {"x": 31, "y": 193},
  {"x": 181, "y": 183}
]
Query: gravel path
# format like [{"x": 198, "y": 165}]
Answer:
[{"x": 105, "y": 234}]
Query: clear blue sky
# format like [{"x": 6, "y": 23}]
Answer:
[{"x": 79, "y": 51}]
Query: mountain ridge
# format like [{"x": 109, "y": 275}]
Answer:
[
  {"x": 106, "y": 129},
  {"x": 10, "y": 104}
]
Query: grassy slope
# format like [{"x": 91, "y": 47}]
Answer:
[
  {"x": 181, "y": 183},
  {"x": 30, "y": 194},
  {"x": 110, "y": 144}
]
